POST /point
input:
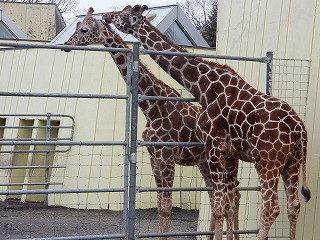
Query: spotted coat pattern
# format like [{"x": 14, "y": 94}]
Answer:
[{"x": 236, "y": 122}]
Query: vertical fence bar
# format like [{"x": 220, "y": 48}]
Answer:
[
  {"x": 46, "y": 176},
  {"x": 133, "y": 141},
  {"x": 127, "y": 149},
  {"x": 269, "y": 72},
  {"x": 269, "y": 75}
]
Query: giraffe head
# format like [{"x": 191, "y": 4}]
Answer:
[
  {"x": 87, "y": 31},
  {"x": 129, "y": 18}
]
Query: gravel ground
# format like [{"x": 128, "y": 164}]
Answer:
[{"x": 34, "y": 220}]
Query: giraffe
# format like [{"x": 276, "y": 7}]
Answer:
[
  {"x": 236, "y": 122},
  {"x": 167, "y": 121}
]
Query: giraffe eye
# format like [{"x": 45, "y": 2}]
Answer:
[
  {"x": 133, "y": 20},
  {"x": 83, "y": 30}
]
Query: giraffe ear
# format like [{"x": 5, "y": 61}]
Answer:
[
  {"x": 143, "y": 8},
  {"x": 135, "y": 8},
  {"x": 150, "y": 16},
  {"x": 90, "y": 11},
  {"x": 127, "y": 8}
]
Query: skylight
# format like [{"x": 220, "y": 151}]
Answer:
[
  {"x": 178, "y": 35},
  {"x": 169, "y": 19},
  {"x": 5, "y": 32}
]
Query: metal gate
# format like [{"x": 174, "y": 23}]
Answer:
[{"x": 51, "y": 144}]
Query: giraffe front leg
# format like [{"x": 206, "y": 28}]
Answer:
[
  {"x": 231, "y": 165},
  {"x": 219, "y": 208},
  {"x": 164, "y": 211},
  {"x": 163, "y": 167},
  {"x": 217, "y": 171},
  {"x": 236, "y": 213},
  {"x": 205, "y": 172}
]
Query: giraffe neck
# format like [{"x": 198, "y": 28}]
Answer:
[
  {"x": 194, "y": 74},
  {"x": 148, "y": 84}
]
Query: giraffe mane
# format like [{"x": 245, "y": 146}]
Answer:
[{"x": 181, "y": 49}]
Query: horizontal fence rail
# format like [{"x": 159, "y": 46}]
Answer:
[
  {"x": 109, "y": 236},
  {"x": 63, "y": 95},
  {"x": 158, "y": 98},
  {"x": 61, "y": 191},
  {"x": 186, "y": 189},
  {"x": 62, "y": 47},
  {"x": 145, "y": 143},
  {"x": 188, "y": 234},
  {"x": 65, "y": 143},
  {"x": 171, "y": 53}
]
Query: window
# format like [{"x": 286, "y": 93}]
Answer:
[{"x": 178, "y": 35}]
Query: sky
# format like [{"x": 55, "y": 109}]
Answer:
[{"x": 111, "y": 5}]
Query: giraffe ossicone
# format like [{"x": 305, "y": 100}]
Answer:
[
  {"x": 171, "y": 121},
  {"x": 236, "y": 122}
]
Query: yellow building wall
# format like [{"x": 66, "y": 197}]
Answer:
[
  {"x": 54, "y": 71},
  {"x": 37, "y": 21},
  {"x": 291, "y": 29}
]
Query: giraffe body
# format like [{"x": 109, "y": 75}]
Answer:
[
  {"x": 167, "y": 121},
  {"x": 236, "y": 122}
]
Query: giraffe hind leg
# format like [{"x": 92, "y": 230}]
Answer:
[
  {"x": 270, "y": 210},
  {"x": 290, "y": 176}
]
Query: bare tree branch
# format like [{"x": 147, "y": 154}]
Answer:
[
  {"x": 203, "y": 14},
  {"x": 64, "y": 6}
]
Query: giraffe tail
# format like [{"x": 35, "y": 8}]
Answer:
[{"x": 305, "y": 189}]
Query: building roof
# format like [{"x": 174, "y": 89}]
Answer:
[
  {"x": 8, "y": 29},
  {"x": 170, "y": 20}
]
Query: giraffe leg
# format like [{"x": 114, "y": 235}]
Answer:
[
  {"x": 290, "y": 176},
  {"x": 164, "y": 210},
  {"x": 205, "y": 172},
  {"x": 218, "y": 175},
  {"x": 270, "y": 210},
  {"x": 236, "y": 213},
  {"x": 163, "y": 168},
  {"x": 231, "y": 165}
]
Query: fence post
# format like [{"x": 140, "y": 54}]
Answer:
[
  {"x": 269, "y": 72},
  {"x": 47, "y": 162},
  {"x": 133, "y": 142}
]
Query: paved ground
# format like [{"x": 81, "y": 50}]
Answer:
[{"x": 33, "y": 220}]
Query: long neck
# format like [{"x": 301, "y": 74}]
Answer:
[
  {"x": 148, "y": 83},
  {"x": 185, "y": 70}
]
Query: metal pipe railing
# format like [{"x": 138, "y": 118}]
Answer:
[
  {"x": 186, "y": 54},
  {"x": 61, "y": 191},
  {"x": 62, "y": 47}
]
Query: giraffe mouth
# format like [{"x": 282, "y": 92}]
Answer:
[{"x": 66, "y": 50}]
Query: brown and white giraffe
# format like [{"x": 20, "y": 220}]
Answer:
[
  {"x": 236, "y": 122},
  {"x": 167, "y": 121}
]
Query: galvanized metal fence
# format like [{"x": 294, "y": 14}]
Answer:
[{"x": 130, "y": 143}]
